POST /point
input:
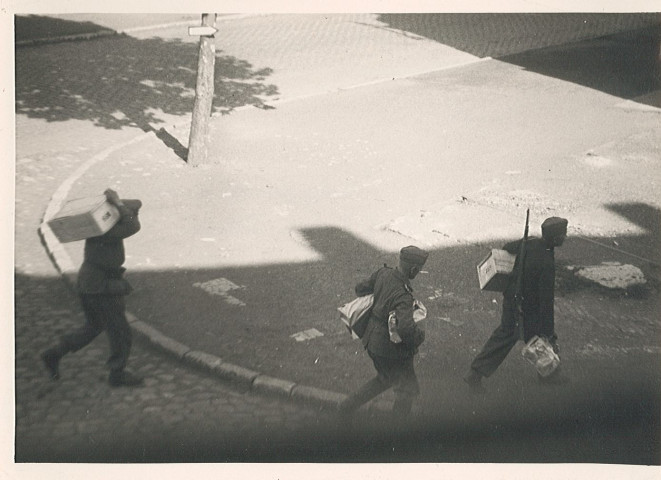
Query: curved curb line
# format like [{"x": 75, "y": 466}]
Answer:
[{"x": 247, "y": 378}]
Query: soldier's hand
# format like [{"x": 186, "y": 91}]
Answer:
[
  {"x": 112, "y": 196},
  {"x": 555, "y": 346},
  {"x": 418, "y": 337}
]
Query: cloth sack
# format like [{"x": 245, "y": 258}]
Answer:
[
  {"x": 539, "y": 352},
  {"x": 419, "y": 314},
  {"x": 356, "y": 314}
]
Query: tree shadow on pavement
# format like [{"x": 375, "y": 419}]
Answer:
[
  {"x": 621, "y": 64},
  {"x": 121, "y": 81}
]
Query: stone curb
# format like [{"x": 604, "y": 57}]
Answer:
[
  {"x": 312, "y": 395},
  {"x": 163, "y": 342},
  {"x": 203, "y": 361}
]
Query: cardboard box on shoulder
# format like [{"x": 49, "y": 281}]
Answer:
[
  {"x": 494, "y": 271},
  {"x": 83, "y": 218}
]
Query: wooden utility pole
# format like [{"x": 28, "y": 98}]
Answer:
[{"x": 199, "y": 131}]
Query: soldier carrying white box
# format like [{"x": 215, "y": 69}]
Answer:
[{"x": 102, "y": 288}]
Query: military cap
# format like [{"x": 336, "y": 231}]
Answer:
[
  {"x": 554, "y": 226},
  {"x": 413, "y": 254}
]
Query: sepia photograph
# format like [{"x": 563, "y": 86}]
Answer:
[{"x": 353, "y": 239}]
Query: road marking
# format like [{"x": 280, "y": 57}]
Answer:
[
  {"x": 307, "y": 335},
  {"x": 598, "y": 350},
  {"x": 220, "y": 287},
  {"x": 611, "y": 274}
]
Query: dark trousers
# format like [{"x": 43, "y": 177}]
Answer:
[
  {"x": 391, "y": 372},
  {"x": 102, "y": 312},
  {"x": 502, "y": 340}
]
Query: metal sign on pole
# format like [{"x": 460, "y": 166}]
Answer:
[
  {"x": 204, "y": 89},
  {"x": 202, "y": 31}
]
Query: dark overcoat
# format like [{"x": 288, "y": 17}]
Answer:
[
  {"x": 392, "y": 292},
  {"x": 538, "y": 287},
  {"x": 101, "y": 272}
]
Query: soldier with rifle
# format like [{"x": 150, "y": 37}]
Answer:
[{"x": 527, "y": 302}]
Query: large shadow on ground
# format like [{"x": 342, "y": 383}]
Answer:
[
  {"x": 648, "y": 219},
  {"x": 612, "y": 401},
  {"x": 623, "y": 64},
  {"x": 120, "y": 81}
]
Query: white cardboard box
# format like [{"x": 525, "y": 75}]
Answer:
[
  {"x": 83, "y": 218},
  {"x": 494, "y": 271}
]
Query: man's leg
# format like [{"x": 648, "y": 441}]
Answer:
[
  {"x": 400, "y": 373},
  {"x": 493, "y": 353},
  {"x": 118, "y": 331},
  {"x": 79, "y": 338},
  {"x": 119, "y": 337},
  {"x": 405, "y": 387},
  {"x": 495, "y": 350},
  {"x": 364, "y": 394}
]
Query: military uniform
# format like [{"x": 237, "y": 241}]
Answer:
[
  {"x": 393, "y": 361},
  {"x": 538, "y": 294},
  {"x": 102, "y": 289}
]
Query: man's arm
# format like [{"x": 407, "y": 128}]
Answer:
[
  {"x": 512, "y": 247},
  {"x": 411, "y": 335},
  {"x": 366, "y": 286},
  {"x": 128, "y": 223}
]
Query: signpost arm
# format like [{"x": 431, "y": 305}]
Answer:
[{"x": 204, "y": 89}]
